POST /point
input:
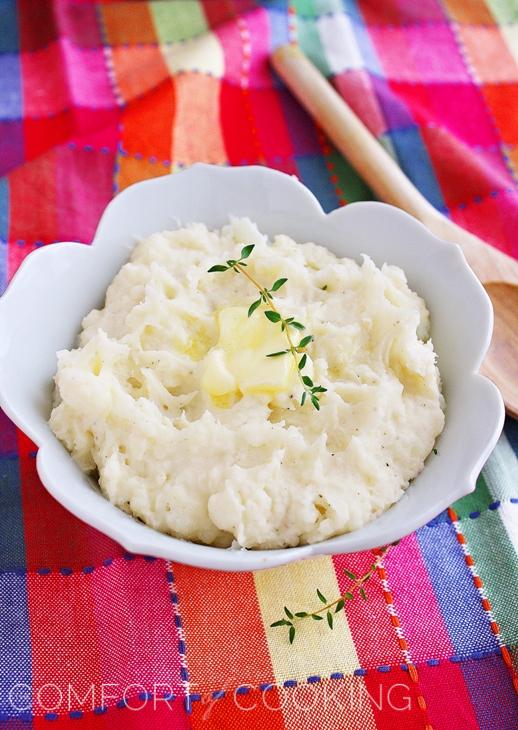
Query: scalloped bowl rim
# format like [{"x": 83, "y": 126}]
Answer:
[{"x": 474, "y": 395}]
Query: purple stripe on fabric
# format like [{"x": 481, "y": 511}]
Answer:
[
  {"x": 459, "y": 600},
  {"x": 302, "y": 131},
  {"x": 394, "y": 110},
  {"x": 10, "y": 87},
  {"x": 8, "y": 441},
  {"x": 15, "y": 647},
  {"x": 11, "y": 144},
  {"x": 492, "y": 693}
]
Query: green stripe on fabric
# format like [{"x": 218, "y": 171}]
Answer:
[
  {"x": 501, "y": 471},
  {"x": 329, "y": 6},
  {"x": 179, "y": 20},
  {"x": 495, "y": 562},
  {"x": 504, "y": 11},
  {"x": 314, "y": 8},
  {"x": 349, "y": 182},
  {"x": 309, "y": 41},
  {"x": 306, "y": 8},
  {"x": 477, "y": 501}
]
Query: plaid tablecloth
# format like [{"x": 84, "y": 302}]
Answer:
[{"x": 97, "y": 95}]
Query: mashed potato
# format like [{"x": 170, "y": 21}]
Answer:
[{"x": 171, "y": 401}]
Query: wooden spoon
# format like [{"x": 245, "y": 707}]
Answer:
[{"x": 497, "y": 271}]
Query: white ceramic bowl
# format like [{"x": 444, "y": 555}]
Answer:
[{"x": 56, "y": 286}]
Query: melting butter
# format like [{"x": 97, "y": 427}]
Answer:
[{"x": 238, "y": 364}]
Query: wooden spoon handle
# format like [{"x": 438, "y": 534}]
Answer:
[{"x": 348, "y": 133}]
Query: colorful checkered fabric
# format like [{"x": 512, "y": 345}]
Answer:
[{"x": 97, "y": 95}]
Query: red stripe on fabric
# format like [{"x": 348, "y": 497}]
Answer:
[
  {"x": 37, "y": 24},
  {"x": 237, "y": 123},
  {"x": 394, "y": 700},
  {"x": 248, "y": 708},
  {"x": 461, "y": 172},
  {"x": 219, "y": 12},
  {"x": 159, "y": 715},
  {"x": 32, "y": 201},
  {"x": 65, "y": 648},
  {"x": 42, "y": 134},
  {"x": 369, "y": 621},
  {"x": 234, "y": 651},
  {"x": 84, "y": 187},
  {"x": 147, "y": 124},
  {"x": 54, "y": 538},
  {"x": 45, "y": 83},
  {"x": 272, "y": 131},
  {"x": 494, "y": 219}
]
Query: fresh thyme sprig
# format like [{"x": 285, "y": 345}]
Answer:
[
  {"x": 333, "y": 607},
  {"x": 310, "y": 390}
]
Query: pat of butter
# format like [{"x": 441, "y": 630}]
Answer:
[{"x": 238, "y": 364}]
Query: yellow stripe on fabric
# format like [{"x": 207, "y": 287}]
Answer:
[
  {"x": 317, "y": 649},
  {"x": 178, "y": 20},
  {"x": 203, "y": 54},
  {"x": 197, "y": 135}
]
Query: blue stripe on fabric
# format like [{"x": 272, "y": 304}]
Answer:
[
  {"x": 352, "y": 9},
  {"x": 458, "y": 599},
  {"x": 15, "y": 647},
  {"x": 492, "y": 694},
  {"x": 313, "y": 173},
  {"x": 415, "y": 162},
  {"x": 12, "y": 547},
  {"x": 278, "y": 28},
  {"x": 8, "y": 27},
  {"x": 368, "y": 54}
]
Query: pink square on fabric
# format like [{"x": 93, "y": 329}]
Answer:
[
  {"x": 416, "y": 604},
  {"x": 135, "y": 626},
  {"x": 423, "y": 53},
  {"x": 45, "y": 87},
  {"x": 445, "y": 105},
  {"x": 246, "y": 45},
  {"x": 230, "y": 38},
  {"x": 356, "y": 88},
  {"x": 257, "y": 33},
  {"x": 89, "y": 82}
]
